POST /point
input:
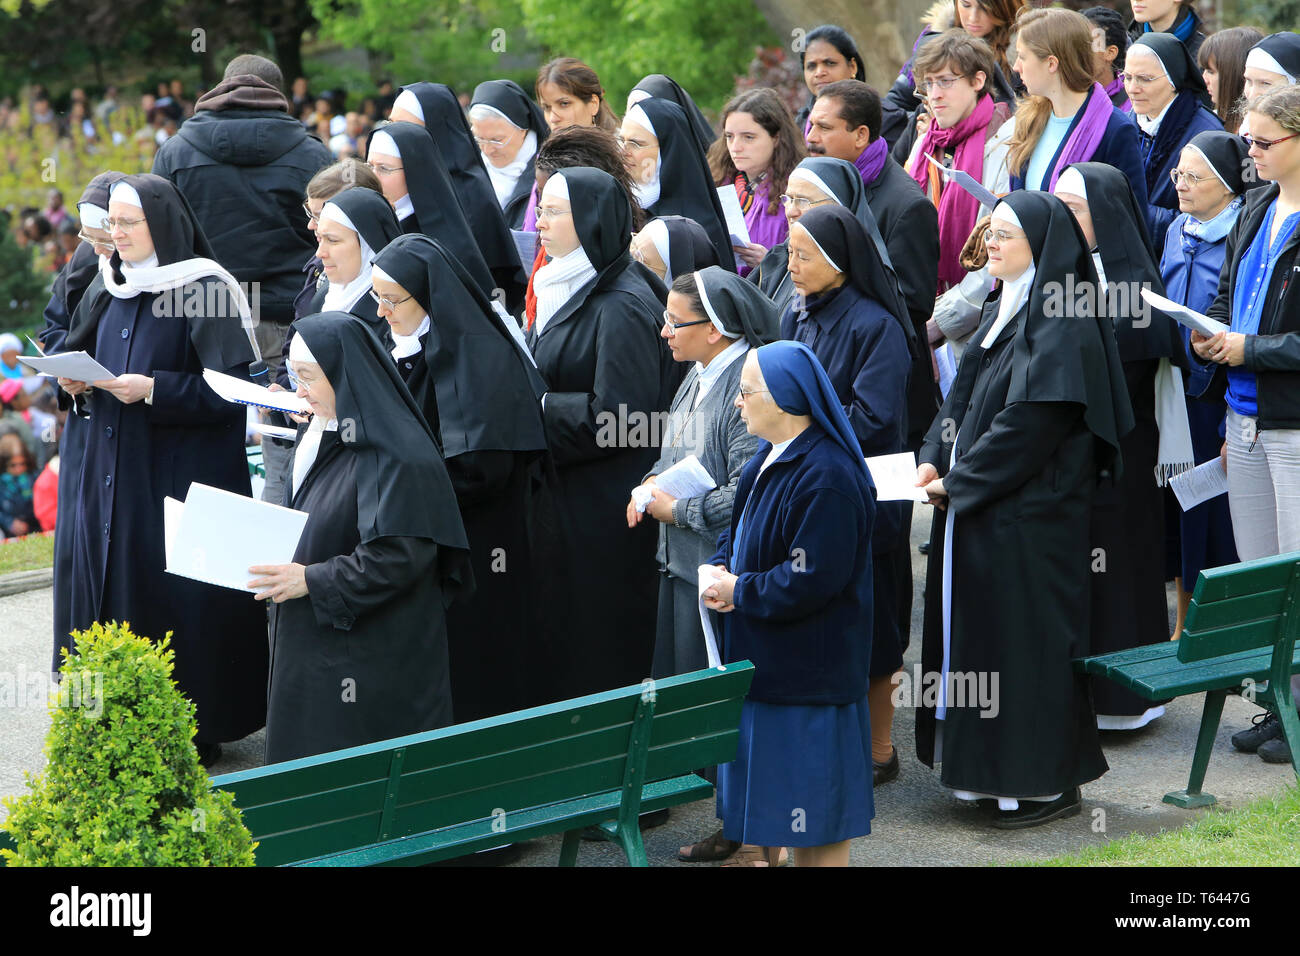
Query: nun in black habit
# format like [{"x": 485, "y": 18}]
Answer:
[
  {"x": 672, "y": 173},
  {"x": 660, "y": 86},
  {"x": 596, "y": 341},
  {"x": 1129, "y": 607},
  {"x": 506, "y": 102},
  {"x": 1031, "y": 423},
  {"x": 436, "y": 107},
  {"x": 479, "y": 395},
  {"x": 162, "y": 312},
  {"x": 358, "y": 627},
  {"x": 71, "y": 284},
  {"x": 673, "y": 246}
]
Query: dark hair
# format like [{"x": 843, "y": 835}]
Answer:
[
  {"x": 1226, "y": 51},
  {"x": 258, "y": 66},
  {"x": 1114, "y": 28},
  {"x": 588, "y": 146},
  {"x": 964, "y": 54},
  {"x": 771, "y": 113},
  {"x": 344, "y": 174},
  {"x": 859, "y": 104},
  {"x": 839, "y": 38},
  {"x": 577, "y": 79},
  {"x": 685, "y": 285},
  {"x": 1003, "y": 13}
]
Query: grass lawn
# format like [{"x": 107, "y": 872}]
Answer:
[
  {"x": 27, "y": 554},
  {"x": 1263, "y": 833}
]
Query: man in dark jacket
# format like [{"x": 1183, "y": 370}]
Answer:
[{"x": 243, "y": 163}]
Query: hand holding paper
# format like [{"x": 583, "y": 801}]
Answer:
[{"x": 1181, "y": 314}]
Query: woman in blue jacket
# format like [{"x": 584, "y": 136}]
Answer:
[
  {"x": 794, "y": 584},
  {"x": 1210, "y": 189}
]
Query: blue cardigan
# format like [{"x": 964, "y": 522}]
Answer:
[
  {"x": 1190, "y": 271},
  {"x": 803, "y": 608},
  {"x": 1118, "y": 147},
  {"x": 1162, "y": 201}
]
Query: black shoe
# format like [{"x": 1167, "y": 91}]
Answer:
[
  {"x": 208, "y": 753},
  {"x": 923, "y": 547},
  {"x": 646, "y": 821},
  {"x": 885, "y": 772},
  {"x": 1266, "y": 727},
  {"x": 1275, "y": 750},
  {"x": 1034, "y": 812}
]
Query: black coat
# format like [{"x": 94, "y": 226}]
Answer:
[
  {"x": 1022, "y": 493},
  {"x": 136, "y": 455},
  {"x": 909, "y": 224},
  {"x": 609, "y": 375},
  {"x": 364, "y": 656},
  {"x": 245, "y": 173}
]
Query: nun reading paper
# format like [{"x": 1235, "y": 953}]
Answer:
[{"x": 216, "y": 535}]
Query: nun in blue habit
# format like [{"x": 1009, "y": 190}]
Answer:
[{"x": 793, "y": 588}]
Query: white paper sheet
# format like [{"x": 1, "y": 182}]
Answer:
[
  {"x": 686, "y": 479},
  {"x": 246, "y": 393},
  {"x": 78, "y": 366},
  {"x": 526, "y": 246},
  {"x": 707, "y": 575},
  {"x": 895, "y": 477},
  {"x": 967, "y": 182},
  {"x": 736, "y": 224},
  {"x": 218, "y": 535},
  {"x": 1200, "y": 484},
  {"x": 1181, "y": 314},
  {"x": 274, "y": 431},
  {"x": 172, "y": 510}
]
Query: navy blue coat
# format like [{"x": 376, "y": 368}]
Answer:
[
  {"x": 864, "y": 352},
  {"x": 1119, "y": 147},
  {"x": 802, "y": 600},
  {"x": 1162, "y": 198}
]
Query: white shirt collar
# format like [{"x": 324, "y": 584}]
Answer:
[
  {"x": 1151, "y": 124},
  {"x": 404, "y": 208},
  {"x": 407, "y": 345}
]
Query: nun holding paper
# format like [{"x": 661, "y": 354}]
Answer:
[{"x": 358, "y": 624}]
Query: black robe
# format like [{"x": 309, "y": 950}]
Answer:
[
  {"x": 1020, "y": 583},
  {"x": 664, "y": 87}
]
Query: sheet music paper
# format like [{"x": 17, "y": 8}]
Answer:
[
  {"x": 1200, "y": 484},
  {"x": 735, "y": 216},
  {"x": 967, "y": 182},
  {"x": 895, "y": 477},
  {"x": 77, "y": 366},
  {"x": 246, "y": 393},
  {"x": 1181, "y": 314}
]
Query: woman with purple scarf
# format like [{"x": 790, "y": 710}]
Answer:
[{"x": 1067, "y": 117}]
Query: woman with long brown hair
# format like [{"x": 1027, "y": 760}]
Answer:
[
  {"x": 1067, "y": 116},
  {"x": 1222, "y": 59},
  {"x": 758, "y": 149}
]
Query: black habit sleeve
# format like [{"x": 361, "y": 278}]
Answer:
[
  {"x": 345, "y": 587},
  {"x": 479, "y": 476}
]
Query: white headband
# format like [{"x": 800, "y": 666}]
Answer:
[
  {"x": 1007, "y": 214},
  {"x": 1070, "y": 181},
  {"x": 482, "y": 111},
  {"x": 122, "y": 191},
  {"x": 636, "y": 96},
  {"x": 1201, "y": 153},
  {"x": 1152, "y": 51},
  {"x": 332, "y": 213},
  {"x": 829, "y": 260},
  {"x": 299, "y": 353},
  {"x": 556, "y": 187},
  {"x": 708, "y": 308},
  {"x": 638, "y": 116},
  {"x": 381, "y": 142},
  {"x": 814, "y": 180},
  {"x": 1258, "y": 59},
  {"x": 381, "y": 275},
  {"x": 656, "y": 230},
  {"x": 92, "y": 216},
  {"x": 406, "y": 100}
]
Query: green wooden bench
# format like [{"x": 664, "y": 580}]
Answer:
[
  {"x": 255, "y": 466},
  {"x": 1240, "y": 630},
  {"x": 594, "y": 761}
]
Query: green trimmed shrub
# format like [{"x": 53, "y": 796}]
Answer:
[{"x": 124, "y": 786}]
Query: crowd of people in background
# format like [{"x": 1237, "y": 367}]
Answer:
[{"x": 480, "y": 296}]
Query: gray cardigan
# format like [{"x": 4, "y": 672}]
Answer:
[{"x": 716, "y": 435}]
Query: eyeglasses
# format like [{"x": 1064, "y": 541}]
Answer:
[
  {"x": 1001, "y": 235},
  {"x": 801, "y": 203},
  {"x": 126, "y": 225},
  {"x": 382, "y": 170},
  {"x": 311, "y": 216},
  {"x": 942, "y": 83},
  {"x": 1191, "y": 179},
  {"x": 491, "y": 142},
  {"x": 1139, "y": 79},
  {"x": 386, "y": 302},
  {"x": 92, "y": 240},
  {"x": 544, "y": 212},
  {"x": 748, "y": 393},
  {"x": 633, "y": 144},
  {"x": 674, "y": 326},
  {"x": 1266, "y": 144}
]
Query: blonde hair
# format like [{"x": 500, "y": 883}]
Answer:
[
  {"x": 1044, "y": 32},
  {"x": 1281, "y": 105}
]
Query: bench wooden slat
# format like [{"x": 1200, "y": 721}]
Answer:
[
  {"x": 1248, "y": 636},
  {"x": 1266, "y": 605},
  {"x": 1245, "y": 578}
]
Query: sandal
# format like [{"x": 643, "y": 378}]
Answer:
[
  {"x": 715, "y": 848},
  {"x": 753, "y": 856}
]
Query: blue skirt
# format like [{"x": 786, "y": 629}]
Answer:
[{"x": 801, "y": 777}]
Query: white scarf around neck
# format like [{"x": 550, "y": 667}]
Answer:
[
  {"x": 341, "y": 297},
  {"x": 505, "y": 177},
  {"x": 408, "y": 345},
  {"x": 557, "y": 281}
]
